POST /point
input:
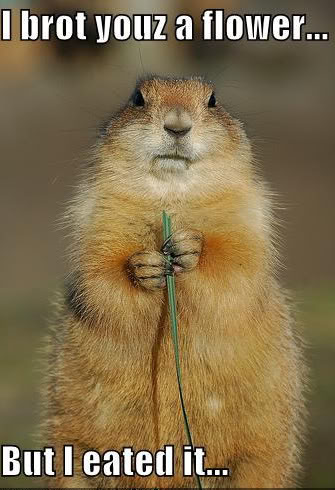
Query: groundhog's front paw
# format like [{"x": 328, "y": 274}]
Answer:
[
  {"x": 148, "y": 269},
  {"x": 185, "y": 247}
]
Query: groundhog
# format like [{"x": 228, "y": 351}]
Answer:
[{"x": 112, "y": 378}]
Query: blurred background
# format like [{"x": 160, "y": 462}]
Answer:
[{"x": 52, "y": 97}]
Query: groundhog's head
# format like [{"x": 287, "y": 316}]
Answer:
[{"x": 174, "y": 130}]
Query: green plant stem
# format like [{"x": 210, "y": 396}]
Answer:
[{"x": 171, "y": 288}]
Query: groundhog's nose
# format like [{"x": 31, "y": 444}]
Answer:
[{"x": 177, "y": 122}]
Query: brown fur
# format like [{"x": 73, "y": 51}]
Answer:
[{"x": 112, "y": 379}]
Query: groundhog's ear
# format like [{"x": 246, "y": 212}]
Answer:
[{"x": 138, "y": 98}]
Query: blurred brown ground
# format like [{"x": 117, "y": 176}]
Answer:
[{"x": 54, "y": 94}]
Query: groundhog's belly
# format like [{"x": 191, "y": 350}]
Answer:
[
  {"x": 132, "y": 399},
  {"x": 141, "y": 409}
]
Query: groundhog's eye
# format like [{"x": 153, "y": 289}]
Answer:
[
  {"x": 212, "y": 100},
  {"x": 138, "y": 98}
]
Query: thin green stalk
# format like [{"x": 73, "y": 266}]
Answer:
[{"x": 171, "y": 288}]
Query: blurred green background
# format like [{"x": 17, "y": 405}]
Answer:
[{"x": 54, "y": 94}]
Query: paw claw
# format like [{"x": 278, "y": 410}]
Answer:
[
  {"x": 147, "y": 269},
  {"x": 185, "y": 247}
]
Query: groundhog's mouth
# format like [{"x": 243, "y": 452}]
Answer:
[
  {"x": 170, "y": 163},
  {"x": 174, "y": 157}
]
